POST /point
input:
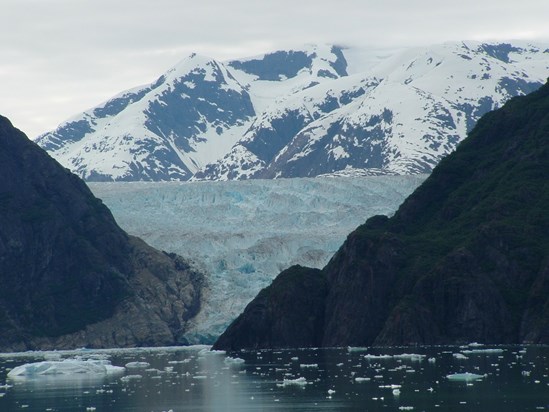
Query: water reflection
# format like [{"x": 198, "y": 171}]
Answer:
[{"x": 195, "y": 379}]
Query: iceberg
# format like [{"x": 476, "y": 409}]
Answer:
[{"x": 65, "y": 368}]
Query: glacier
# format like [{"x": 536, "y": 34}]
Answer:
[{"x": 243, "y": 233}]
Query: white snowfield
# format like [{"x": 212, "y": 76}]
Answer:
[{"x": 244, "y": 233}]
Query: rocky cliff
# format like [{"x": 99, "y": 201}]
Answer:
[
  {"x": 70, "y": 276},
  {"x": 465, "y": 258}
]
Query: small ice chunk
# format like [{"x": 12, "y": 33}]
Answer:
[
  {"x": 464, "y": 377},
  {"x": 396, "y": 392},
  {"x": 309, "y": 365},
  {"x": 372, "y": 357},
  {"x": 482, "y": 351},
  {"x": 233, "y": 361},
  {"x": 460, "y": 356},
  {"x": 411, "y": 356},
  {"x": 137, "y": 365},
  {"x": 128, "y": 378},
  {"x": 359, "y": 379},
  {"x": 331, "y": 391},
  {"x": 356, "y": 349},
  {"x": 298, "y": 381}
]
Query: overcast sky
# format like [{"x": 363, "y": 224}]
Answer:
[{"x": 61, "y": 57}]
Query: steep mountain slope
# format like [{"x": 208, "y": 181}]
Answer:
[
  {"x": 306, "y": 112},
  {"x": 465, "y": 258},
  {"x": 165, "y": 131},
  {"x": 70, "y": 276}
]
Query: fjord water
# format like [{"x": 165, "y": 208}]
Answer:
[{"x": 509, "y": 378}]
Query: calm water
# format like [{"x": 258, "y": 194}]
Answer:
[{"x": 194, "y": 379}]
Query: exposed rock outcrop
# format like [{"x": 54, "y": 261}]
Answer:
[
  {"x": 70, "y": 276},
  {"x": 465, "y": 258}
]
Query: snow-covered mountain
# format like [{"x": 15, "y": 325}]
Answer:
[
  {"x": 168, "y": 130},
  {"x": 313, "y": 111},
  {"x": 243, "y": 233}
]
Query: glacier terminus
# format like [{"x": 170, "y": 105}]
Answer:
[{"x": 243, "y": 233}]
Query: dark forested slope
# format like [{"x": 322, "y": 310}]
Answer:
[{"x": 69, "y": 275}]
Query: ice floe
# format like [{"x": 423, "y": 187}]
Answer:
[
  {"x": 137, "y": 365},
  {"x": 464, "y": 377},
  {"x": 298, "y": 381},
  {"x": 66, "y": 367}
]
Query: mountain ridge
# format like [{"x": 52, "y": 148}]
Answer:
[{"x": 298, "y": 113}]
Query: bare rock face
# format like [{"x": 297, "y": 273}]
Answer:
[
  {"x": 70, "y": 276},
  {"x": 465, "y": 258}
]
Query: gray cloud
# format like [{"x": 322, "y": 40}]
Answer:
[{"x": 59, "y": 57}]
